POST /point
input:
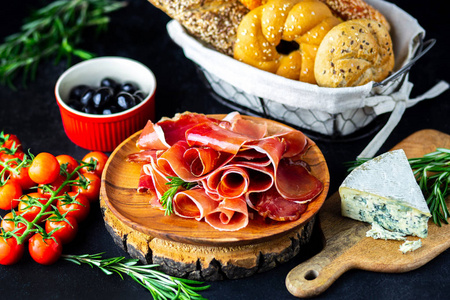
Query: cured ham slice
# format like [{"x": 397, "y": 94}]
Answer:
[
  {"x": 295, "y": 182},
  {"x": 234, "y": 122},
  {"x": 167, "y": 132},
  {"x": 229, "y": 182},
  {"x": 215, "y": 137},
  {"x": 272, "y": 205},
  {"x": 230, "y": 215},
  {"x": 237, "y": 164},
  {"x": 194, "y": 203}
]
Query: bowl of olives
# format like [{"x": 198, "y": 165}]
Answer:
[{"x": 104, "y": 100}]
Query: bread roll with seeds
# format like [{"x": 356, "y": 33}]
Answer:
[
  {"x": 354, "y": 53},
  {"x": 356, "y": 9},
  {"x": 304, "y": 22},
  {"x": 212, "y": 21}
]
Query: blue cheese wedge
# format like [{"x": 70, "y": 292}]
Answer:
[{"x": 384, "y": 191}]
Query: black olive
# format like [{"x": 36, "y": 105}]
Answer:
[
  {"x": 108, "y": 82},
  {"x": 90, "y": 109},
  {"x": 139, "y": 96},
  {"x": 102, "y": 97},
  {"x": 125, "y": 100},
  {"x": 86, "y": 98},
  {"x": 77, "y": 91},
  {"x": 128, "y": 87},
  {"x": 75, "y": 104},
  {"x": 110, "y": 110}
]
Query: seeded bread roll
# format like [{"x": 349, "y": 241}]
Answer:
[
  {"x": 356, "y": 9},
  {"x": 354, "y": 53},
  {"x": 211, "y": 21}
]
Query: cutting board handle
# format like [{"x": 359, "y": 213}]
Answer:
[{"x": 315, "y": 275}]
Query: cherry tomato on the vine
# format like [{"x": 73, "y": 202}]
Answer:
[
  {"x": 44, "y": 168},
  {"x": 75, "y": 205},
  {"x": 8, "y": 224},
  {"x": 92, "y": 191},
  {"x": 54, "y": 185},
  {"x": 100, "y": 158},
  {"x": 45, "y": 251},
  {"x": 67, "y": 228},
  {"x": 11, "y": 142},
  {"x": 10, "y": 192},
  {"x": 23, "y": 178},
  {"x": 29, "y": 208},
  {"x": 70, "y": 162},
  {"x": 10, "y": 251}
]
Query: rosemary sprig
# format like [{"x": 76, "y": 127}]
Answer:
[
  {"x": 54, "y": 30},
  {"x": 432, "y": 172},
  {"x": 160, "y": 285},
  {"x": 175, "y": 184}
]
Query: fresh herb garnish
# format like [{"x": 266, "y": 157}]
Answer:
[
  {"x": 175, "y": 184},
  {"x": 160, "y": 285},
  {"x": 54, "y": 30},
  {"x": 432, "y": 171}
]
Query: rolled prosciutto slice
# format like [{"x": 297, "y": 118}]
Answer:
[
  {"x": 193, "y": 203},
  {"x": 230, "y": 215}
]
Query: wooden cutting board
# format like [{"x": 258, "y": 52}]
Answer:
[{"x": 347, "y": 247}]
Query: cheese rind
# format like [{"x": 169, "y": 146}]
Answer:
[{"x": 384, "y": 191}]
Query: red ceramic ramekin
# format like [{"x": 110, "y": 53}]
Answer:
[{"x": 105, "y": 132}]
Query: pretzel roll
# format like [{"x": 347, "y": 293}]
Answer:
[
  {"x": 302, "y": 23},
  {"x": 354, "y": 53}
]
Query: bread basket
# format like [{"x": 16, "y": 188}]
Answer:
[{"x": 324, "y": 113}]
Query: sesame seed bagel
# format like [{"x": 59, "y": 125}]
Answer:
[
  {"x": 354, "y": 53},
  {"x": 304, "y": 22}
]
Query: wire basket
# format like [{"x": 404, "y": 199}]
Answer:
[{"x": 323, "y": 113}]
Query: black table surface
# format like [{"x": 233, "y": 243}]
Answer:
[{"x": 139, "y": 32}]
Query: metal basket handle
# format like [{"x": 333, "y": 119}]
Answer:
[{"x": 423, "y": 49}]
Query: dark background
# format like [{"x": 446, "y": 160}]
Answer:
[{"x": 138, "y": 32}]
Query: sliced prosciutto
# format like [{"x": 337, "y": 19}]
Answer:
[
  {"x": 236, "y": 165},
  {"x": 272, "y": 205},
  {"x": 194, "y": 203},
  {"x": 169, "y": 131},
  {"x": 230, "y": 215}
]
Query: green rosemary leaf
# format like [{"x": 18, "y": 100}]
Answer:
[
  {"x": 160, "y": 285},
  {"x": 52, "y": 31},
  {"x": 175, "y": 184}
]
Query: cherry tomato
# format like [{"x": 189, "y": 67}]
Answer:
[
  {"x": 45, "y": 251},
  {"x": 10, "y": 192},
  {"x": 23, "y": 178},
  {"x": 8, "y": 224},
  {"x": 10, "y": 251},
  {"x": 12, "y": 142},
  {"x": 67, "y": 228},
  {"x": 44, "y": 168},
  {"x": 101, "y": 159},
  {"x": 76, "y": 205},
  {"x": 70, "y": 162},
  {"x": 92, "y": 191},
  {"x": 54, "y": 186},
  {"x": 28, "y": 207}
]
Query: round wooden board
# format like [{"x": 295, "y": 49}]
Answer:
[{"x": 128, "y": 215}]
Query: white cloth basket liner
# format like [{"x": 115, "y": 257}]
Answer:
[{"x": 328, "y": 111}]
